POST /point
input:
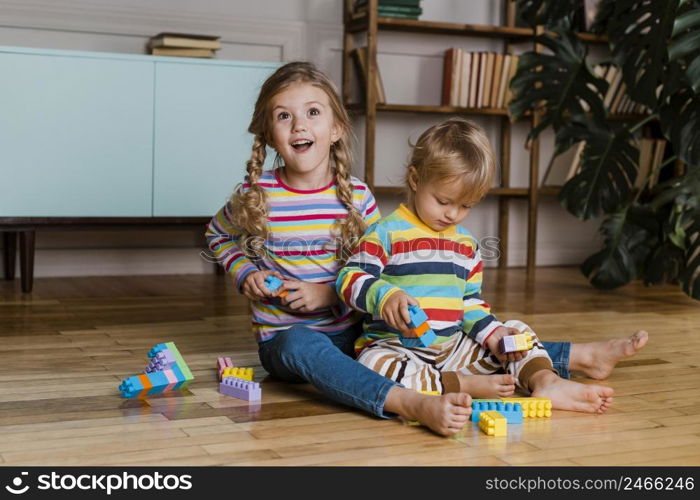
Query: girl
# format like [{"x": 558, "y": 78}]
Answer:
[{"x": 295, "y": 222}]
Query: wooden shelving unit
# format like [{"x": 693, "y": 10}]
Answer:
[{"x": 372, "y": 24}]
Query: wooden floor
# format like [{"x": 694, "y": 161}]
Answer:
[{"x": 64, "y": 349}]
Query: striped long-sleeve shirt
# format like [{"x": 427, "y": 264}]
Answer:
[
  {"x": 300, "y": 245},
  {"x": 442, "y": 271}
]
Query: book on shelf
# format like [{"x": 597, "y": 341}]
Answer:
[
  {"x": 359, "y": 55},
  {"x": 466, "y": 64},
  {"x": 488, "y": 77},
  {"x": 181, "y": 52},
  {"x": 497, "y": 67},
  {"x": 399, "y": 11},
  {"x": 184, "y": 40},
  {"x": 449, "y": 81},
  {"x": 473, "y": 79}
]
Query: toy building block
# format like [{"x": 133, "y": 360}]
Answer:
[
  {"x": 149, "y": 384},
  {"x": 421, "y": 334},
  {"x": 493, "y": 423},
  {"x": 221, "y": 365},
  {"x": 515, "y": 343},
  {"x": 238, "y": 372},
  {"x": 273, "y": 283},
  {"x": 513, "y": 412},
  {"x": 166, "y": 371},
  {"x": 533, "y": 407},
  {"x": 239, "y": 388}
]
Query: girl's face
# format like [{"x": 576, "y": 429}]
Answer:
[
  {"x": 303, "y": 129},
  {"x": 439, "y": 205}
]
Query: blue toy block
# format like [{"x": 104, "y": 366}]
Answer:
[
  {"x": 424, "y": 340},
  {"x": 131, "y": 387},
  {"x": 273, "y": 283},
  {"x": 423, "y": 336},
  {"x": 418, "y": 316},
  {"x": 241, "y": 389},
  {"x": 512, "y": 411}
]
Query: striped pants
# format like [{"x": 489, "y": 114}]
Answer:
[{"x": 435, "y": 368}]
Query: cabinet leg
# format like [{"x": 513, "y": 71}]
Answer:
[
  {"x": 9, "y": 246},
  {"x": 26, "y": 259}
]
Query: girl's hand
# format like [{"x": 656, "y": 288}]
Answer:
[
  {"x": 254, "y": 285},
  {"x": 307, "y": 297},
  {"x": 395, "y": 311},
  {"x": 495, "y": 338}
]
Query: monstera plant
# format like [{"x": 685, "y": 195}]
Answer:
[{"x": 651, "y": 234}]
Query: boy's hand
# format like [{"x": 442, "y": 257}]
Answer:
[
  {"x": 254, "y": 285},
  {"x": 307, "y": 297},
  {"x": 395, "y": 311},
  {"x": 495, "y": 338}
]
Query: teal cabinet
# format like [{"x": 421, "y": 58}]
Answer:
[
  {"x": 98, "y": 135},
  {"x": 75, "y": 136},
  {"x": 202, "y": 113}
]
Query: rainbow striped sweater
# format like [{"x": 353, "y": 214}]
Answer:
[
  {"x": 300, "y": 245},
  {"x": 442, "y": 271}
]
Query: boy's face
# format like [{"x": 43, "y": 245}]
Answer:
[
  {"x": 440, "y": 205},
  {"x": 303, "y": 129}
]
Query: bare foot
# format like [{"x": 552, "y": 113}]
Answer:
[
  {"x": 487, "y": 386},
  {"x": 569, "y": 395},
  {"x": 597, "y": 359},
  {"x": 446, "y": 414}
]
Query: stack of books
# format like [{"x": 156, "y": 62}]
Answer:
[
  {"x": 401, "y": 9},
  {"x": 184, "y": 45},
  {"x": 616, "y": 99},
  {"x": 651, "y": 155},
  {"x": 477, "y": 79}
]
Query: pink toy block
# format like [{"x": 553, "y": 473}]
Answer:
[
  {"x": 241, "y": 389},
  {"x": 222, "y": 364}
]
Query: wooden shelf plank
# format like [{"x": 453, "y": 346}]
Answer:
[
  {"x": 413, "y": 108},
  {"x": 441, "y": 28},
  {"x": 550, "y": 190},
  {"x": 511, "y": 192}
]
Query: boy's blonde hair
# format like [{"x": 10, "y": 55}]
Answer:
[
  {"x": 250, "y": 205},
  {"x": 455, "y": 150}
]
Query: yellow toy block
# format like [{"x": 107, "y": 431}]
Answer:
[
  {"x": 516, "y": 343},
  {"x": 533, "y": 407},
  {"x": 493, "y": 423},
  {"x": 239, "y": 372}
]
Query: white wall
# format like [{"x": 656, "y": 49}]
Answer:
[{"x": 280, "y": 30}]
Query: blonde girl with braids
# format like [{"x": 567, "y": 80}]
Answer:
[{"x": 298, "y": 222}]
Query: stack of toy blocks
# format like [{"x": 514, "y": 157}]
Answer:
[
  {"x": 516, "y": 343},
  {"x": 237, "y": 382},
  {"x": 273, "y": 283},
  {"x": 493, "y": 423},
  {"x": 421, "y": 333},
  {"x": 165, "y": 372},
  {"x": 513, "y": 412}
]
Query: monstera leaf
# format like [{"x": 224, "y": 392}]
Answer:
[
  {"x": 608, "y": 170},
  {"x": 629, "y": 236},
  {"x": 557, "y": 84},
  {"x": 638, "y": 32},
  {"x": 549, "y": 13},
  {"x": 686, "y": 42}
]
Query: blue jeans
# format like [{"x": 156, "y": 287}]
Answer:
[
  {"x": 559, "y": 353},
  {"x": 327, "y": 362}
]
